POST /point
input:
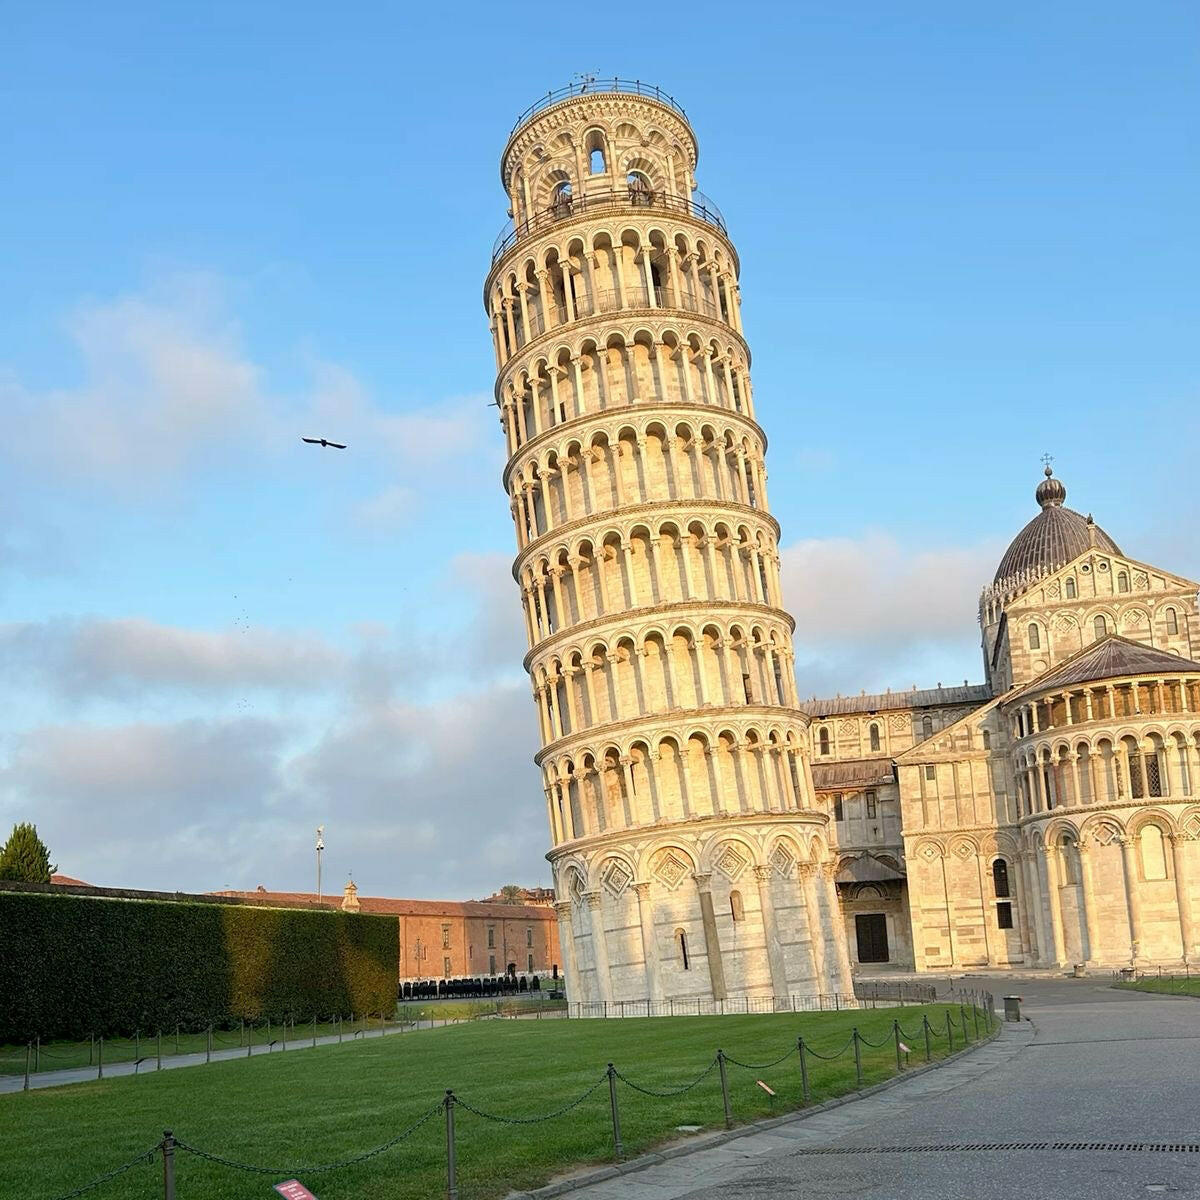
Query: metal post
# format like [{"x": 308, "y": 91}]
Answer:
[
  {"x": 339, "y": 1029},
  {"x": 177, "y": 1038},
  {"x": 137, "y": 1046},
  {"x": 158, "y": 1051},
  {"x": 962, "y": 1013},
  {"x": 949, "y": 1034},
  {"x": 208, "y": 1045},
  {"x": 37, "y": 1053},
  {"x": 618, "y": 1148},
  {"x": 91, "y": 1048},
  {"x": 451, "y": 1165},
  {"x": 250, "y": 1041},
  {"x": 857, "y": 1056},
  {"x": 283, "y": 1047},
  {"x": 725, "y": 1089},
  {"x": 100, "y": 1058},
  {"x": 314, "y": 1030},
  {"x": 804, "y": 1089},
  {"x": 168, "y": 1153},
  {"x": 975, "y": 1017},
  {"x": 241, "y": 1030},
  {"x": 925, "y": 1027},
  {"x": 896, "y": 1037},
  {"x": 28, "y": 1050}
]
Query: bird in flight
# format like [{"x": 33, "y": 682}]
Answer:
[{"x": 323, "y": 442}]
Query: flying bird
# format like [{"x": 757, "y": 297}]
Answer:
[{"x": 323, "y": 442}]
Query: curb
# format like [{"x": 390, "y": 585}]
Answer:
[{"x": 724, "y": 1136}]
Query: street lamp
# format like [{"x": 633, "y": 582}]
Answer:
[{"x": 320, "y": 847}]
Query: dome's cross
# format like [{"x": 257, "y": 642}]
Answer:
[{"x": 1047, "y": 459}]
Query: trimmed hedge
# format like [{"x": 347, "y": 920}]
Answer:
[{"x": 71, "y": 966}]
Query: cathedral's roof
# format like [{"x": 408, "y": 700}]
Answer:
[
  {"x": 1113, "y": 657},
  {"x": 851, "y": 773},
  {"x": 969, "y": 693},
  {"x": 1054, "y": 537}
]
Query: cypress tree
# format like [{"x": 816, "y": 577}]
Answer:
[{"x": 25, "y": 856}]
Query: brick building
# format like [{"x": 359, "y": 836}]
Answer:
[{"x": 447, "y": 938}]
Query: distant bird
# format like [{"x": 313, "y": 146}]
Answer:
[{"x": 323, "y": 442}]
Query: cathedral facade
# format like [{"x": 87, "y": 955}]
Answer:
[{"x": 712, "y": 836}]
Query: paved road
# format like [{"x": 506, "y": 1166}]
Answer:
[{"x": 1095, "y": 1065}]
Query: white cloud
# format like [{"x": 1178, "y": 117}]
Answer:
[
  {"x": 871, "y": 612},
  {"x": 387, "y": 510}
]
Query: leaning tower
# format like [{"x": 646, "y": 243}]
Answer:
[{"x": 690, "y": 861}]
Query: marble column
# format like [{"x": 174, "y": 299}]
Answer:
[
  {"x": 654, "y": 988},
  {"x": 812, "y": 914},
  {"x": 1048, "y": 870},
  {"x": 1187, "y": 934},
  {"x": 566, "y": 943},
  {"x": 1133, "y": 901},
  {"x": 841, "y": 951},
  {"x": 779, "y": 984},
  {"x": 599, "y": 945},
  {"x": 712, "y": 943},
  {"x": 1087, "y": 893}
]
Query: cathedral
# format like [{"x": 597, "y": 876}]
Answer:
[{"x": 713, "y": 837}]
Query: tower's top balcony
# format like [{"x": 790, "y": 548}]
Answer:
[{"x": 591, "y": 86}]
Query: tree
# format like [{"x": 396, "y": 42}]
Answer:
[
  {"x": 510, "y": 893},
  {"x": 25, "y": 857}
]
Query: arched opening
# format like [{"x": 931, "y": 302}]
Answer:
[
  {"x": 875, "y": 737},
  {"x": 1035, "y": 638},
  {"x": 1172, "y": 621},
  {"x": 823, "y": 741},
  {"x": 1000, "y": 879},
  {"x": 1154, "y": 853},
  {"x": 1100, "y": 627},
  {"x": 1070, "y": 588},
  {"x": 927, "y": 727},
  {"x": 1122, "y": 581},
  {"x": 640, "y": 191},
  {"x": 682, "y": 946}
]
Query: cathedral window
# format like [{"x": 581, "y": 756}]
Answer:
[
  {"x": 823, "y": 741},
  {"x": 1000, "y": 879},
  {"x": 445, "y": 937},
  {"x": 445, "y": 968},
  {"x": 1035, "y": 638},
  {"x": 1122, "y": 581},
  {"x": 681, "y": 943},
  {"x": 1004, "y": 918},
  {"x": 874, "y": 737},
  {"x": 1172, "y": 621},
  {"x": 736, "y": 911},
  {"x": 529, "y": 936},
  {"x": 491, "y": 937},
  {"x": 987, "y": 739},
  {"x": 1100, "y": 625},
  {"x": 931, "y": 772},
  {"x": 927, "y": 727},
  {"x": 839, "y": 813},
  {"x": 872, "y": 804},
  {"x": 1070, "y": 589}
]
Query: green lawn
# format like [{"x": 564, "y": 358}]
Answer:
[
  {"x": 1179, "y": 985},
  {"x": 331, "y": 1102},
  {"x": 63, "y": 1055}
]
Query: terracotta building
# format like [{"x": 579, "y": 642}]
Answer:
[{"x": 442, "y": 939}]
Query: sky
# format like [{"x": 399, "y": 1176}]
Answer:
[{"x": 968, "y": 237}]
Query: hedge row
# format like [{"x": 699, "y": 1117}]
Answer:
[{"x": 71, "y": 966}]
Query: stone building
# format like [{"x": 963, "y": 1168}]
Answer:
[
  {"x": 713, "y": 836},
  {"x": 689, "y": 856},
  {"x": 1049, "y": 816},
  {"x": 446, "y": 939}
]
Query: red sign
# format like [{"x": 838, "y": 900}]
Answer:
[{"x": 294, "y": 1190}]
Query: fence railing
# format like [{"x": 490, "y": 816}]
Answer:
[
  {"x": 863, "y": 996},
  {"x": 1181, "y": 975},
  {"x": 697, "y": 205},
  {"x": 591, "y": 85},
  {"x": 976, "y": 1019}
]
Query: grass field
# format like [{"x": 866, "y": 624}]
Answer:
[
  {"x": 63, "y": 1055},
  {"x": 1176, "y": 985},
  {"x": 332, "y": 1102}
]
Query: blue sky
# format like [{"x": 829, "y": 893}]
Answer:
[{"x": 966, "y": 238}]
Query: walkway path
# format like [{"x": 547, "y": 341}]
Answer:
[{"x": 1094, "y": 1065}]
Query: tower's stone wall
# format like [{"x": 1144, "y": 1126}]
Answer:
[{"x": 689, "y": 857}]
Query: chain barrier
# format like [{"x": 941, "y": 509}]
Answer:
[
  {"x": 831, "y": 1057},
  {"x": 558, "y": 1112},
  {"x": 760, "y": 1066},
  {"x": 146, "y": 1157},
  {"x": 637, "y": 1087},
  {"x": 220, "y": 1160}
]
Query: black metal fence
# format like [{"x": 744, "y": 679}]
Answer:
[
  {"x": 863, "y": 996},
  {"x": 976, "y": 1019}
]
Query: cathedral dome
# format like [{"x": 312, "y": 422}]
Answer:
[{"x": 1054, "y": 537}]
